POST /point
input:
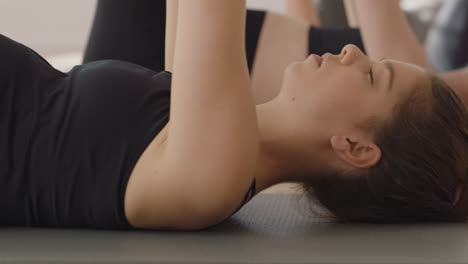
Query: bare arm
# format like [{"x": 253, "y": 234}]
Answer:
[
  {"x": 386, "y": 32},
  {"x": 351, "y": 13},
  {"x": 212, "y": 142},
  {"x": 305, "y": 10},
  {"x": 171, "y": 30}
]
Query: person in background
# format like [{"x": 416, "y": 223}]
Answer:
[
  {"x": 136, "y": 32},
  {"x": 448, "y": 36}
]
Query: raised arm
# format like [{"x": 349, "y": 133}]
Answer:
[
  {"x": 171, "y": 30},
  {"x": 385, "y": 31},
  {"x": 212, "y": 144},
  {"x": 351, "y": 13},
  {"x": 305, "y": 10}
]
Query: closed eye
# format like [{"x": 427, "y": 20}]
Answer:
[{"x": 371, "y": 75}]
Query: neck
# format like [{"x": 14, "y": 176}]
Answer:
[
  {"x": 272, "y": 166},
  {"x": 268, "y": 171},
  {"x": 280, "y": 154}
]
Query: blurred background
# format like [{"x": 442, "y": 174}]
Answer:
[{"x": 58, "y": 29}]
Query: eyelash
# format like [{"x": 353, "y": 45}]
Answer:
[{"x": 371, "y": 74}]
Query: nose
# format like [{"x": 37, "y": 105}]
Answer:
[{"x": 350, "y": 54}]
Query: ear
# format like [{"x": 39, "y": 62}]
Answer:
[{"x": 359, "y": 154}]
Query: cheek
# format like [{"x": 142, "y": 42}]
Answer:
[
  {"x": 338, "y": 98},
  {"x": 336, "y": 92},
  {"x": 324, "y": 91}
]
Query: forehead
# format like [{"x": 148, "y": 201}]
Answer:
[{"x": 408, "y": 76}]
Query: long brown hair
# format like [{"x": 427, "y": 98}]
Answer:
[{"x": 422, "y": 175}]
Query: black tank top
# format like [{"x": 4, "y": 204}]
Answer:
[{"x": 69, "y": 141}]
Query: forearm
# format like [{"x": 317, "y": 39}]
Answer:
[
  {"x": 304, "y": 10},
  {"x": 171, "y": 31},
  {"x": 386, "y": 32},
  {"x": 351, "y": 14},
  {"x": 211, "y": 31},
  {"x": 211, "y": 106}
]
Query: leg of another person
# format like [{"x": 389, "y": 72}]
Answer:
[
  {"x": 131, "y": 31},
  {"x": 134, "y": 31}
]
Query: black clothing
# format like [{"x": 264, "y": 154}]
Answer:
[
  {"x": 70, "y": 140},
  {"x": 332, "y": 40},
  {"x": 134, "y": 31},
  {"x": 253, "y": 27}
]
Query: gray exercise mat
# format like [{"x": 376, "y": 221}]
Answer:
[{"x": 271, "y": 228}]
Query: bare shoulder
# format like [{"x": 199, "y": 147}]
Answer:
[
  {"x": 154, "y": 200},
  {"x": 212, "y": 143}
]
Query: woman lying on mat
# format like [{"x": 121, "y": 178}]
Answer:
[
  {"x": 282, "y": 40},
  {"x": 366, "y": 132}
]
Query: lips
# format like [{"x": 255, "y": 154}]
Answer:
[{"x": 317, "y": 59}]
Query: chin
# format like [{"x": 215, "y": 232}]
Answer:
[{"x": 293, "y": 67}]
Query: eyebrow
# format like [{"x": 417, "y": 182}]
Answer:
[{"x": 391, "y": 69}]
